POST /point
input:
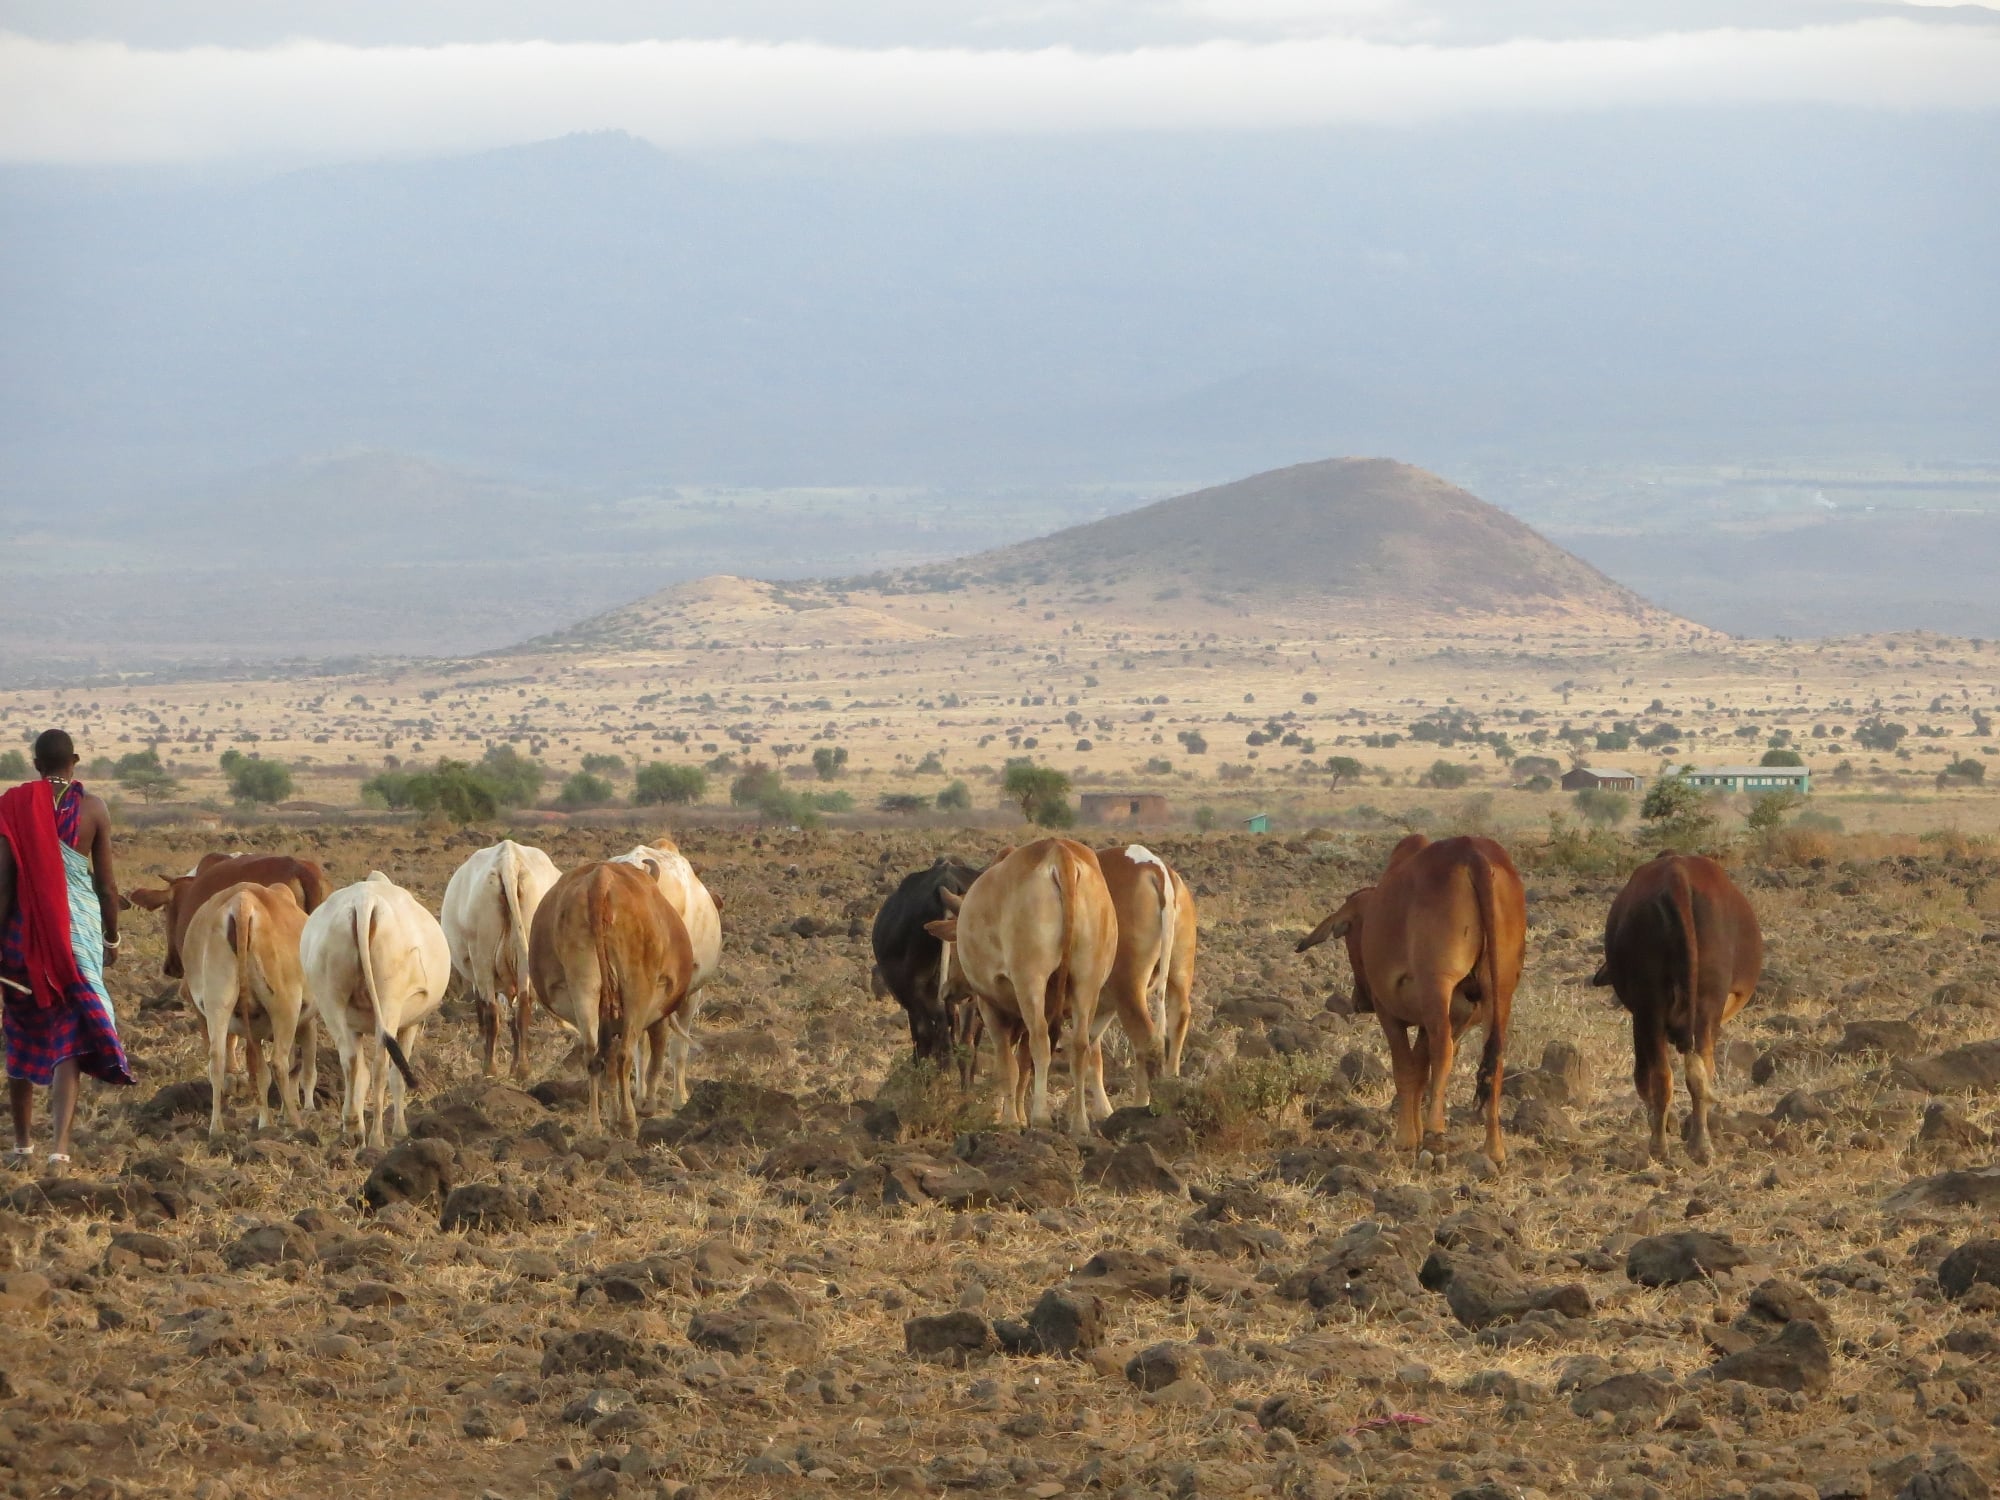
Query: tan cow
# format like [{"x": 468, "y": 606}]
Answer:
[
  {"x": 1035, "y": 938},
  {"x": 184, "y": 895},
  {"x": 1153, "y": 975},
  {"x": 241, "y": 951},
  {"x": 488, "y": 908},
  {"x": 1441, "y": 947},
  {"x": 610, "y": 956},
  {"x": 698, "y": 912},
  {"x": 376, "y": 965}
]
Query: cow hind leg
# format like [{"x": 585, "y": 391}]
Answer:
[
  {"x": 284, "y": 1036},
  {"x": 1442, "y": 1052},
  {"x": 1031, "y": 989},
  {"x": 524, "y": 1011},
  {"x": 1699, "y": 1064},
  {"x": 488, "y": 1010},
  {"x": 1409, "y": 1075},
  {"x": 257, "y": 1058},
  {"x": 307, "y": 1076},
  {"x": 218, "y": 1075},
  {"x": 407, "y": 1040},
  {"x": 1491, "y": 1068},
  {"x": 1135, "y": 1013},
  {"x": 1653, "y": 1077}
]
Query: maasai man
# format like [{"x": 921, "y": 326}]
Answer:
[{"x": 58, "y": 934}]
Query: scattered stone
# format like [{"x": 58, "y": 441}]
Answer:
[
  {"x": 1972, "y": 1263},
  {"x": 1975, "y": 1066},
  {"x": 1160, "y": 1365},
  {"x": 1946, "y": 1125},
  {"x": 412, "y": 1172},
  {"x": 592, "y": 1404},
  {"x": 1621, "y": 1394},
  {"x": 1946, "y": 1477},
  {"x": 1888, "y": 1038},
  {"x": 482, "y": 1205},
  {"x": 1690, "y": 1255},
  {"x": 1480, "y": 1295},
  {"x": 268, "y": 1245},
  {"x": 950, "y": 1338},
  {"x": 1066, "y": 1323},
  {"x": 727, "y": 1112},
  {"x": 764, "y": 1321},
  {"x": 1134, "y": 1168},
  {"x": 1166, "y": 1133},
  {"x": 1796, "y": 1360},
  {"x": 597, "y": 1351},
  {"x": 188, "y": 1100},
  {"x": 1978, "y": 1188}
]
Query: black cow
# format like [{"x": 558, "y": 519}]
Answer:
[{"x": 907, "y": 958}]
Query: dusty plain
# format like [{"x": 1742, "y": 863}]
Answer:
[{"x": 721, "y": 1307}]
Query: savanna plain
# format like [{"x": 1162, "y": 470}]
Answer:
[{"x": 832, "y": 1272}]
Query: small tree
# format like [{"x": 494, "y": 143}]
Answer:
[
  {"x": 604, "y": 765},
  {"x": 150, "y": 785},
  {"x": 259, "y": 781},
  {"x": 1782, "y": 758},
  {"x": 1344, "y": 768},
  {"x": 13, "y": 766},
  {"x": 1768, "y": 809},
  {"x": 754, "y": 786},
  {"x": 512, "y": 778},
  {"x": 1204, "y": 817},
  {"x": 930, "y": 765},
  {"x": 584, "y": 790},
  {"x": 829, "y": 761},
  {"x": 662, "y": 782},
  {"x": 955, "y": 798},
  {"x": 902, "y": 803},
  {"x": 1875, "y": 733},
  {"x": 454, "y": 790},
  {"x": 390, "y": 789},
  {"x": 1445, "y": 775},
  {"x": 1042, "y": 792},
  {"x": 1607, "y": 809},
  {"x": 1677, "y": 813},
  {"x": 1964, "y": 771}
]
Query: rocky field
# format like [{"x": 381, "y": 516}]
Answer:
[{"x": 830, "y": 1274}]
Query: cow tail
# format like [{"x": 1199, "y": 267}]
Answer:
[
  {"x": 1489, "y": 972},
  {"x": 1678, "y": 907},
  {"x": 610, "y": 987},
  {"x": 517, "y": 932},
  {"x": 1065, "y": 891},
  {"x": 1169, "y": 930},
  {"x": 236, "y": 932},
  {"x": 363, "y": 932}
]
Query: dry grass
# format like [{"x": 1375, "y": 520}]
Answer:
[{"x": 137, "y": 1408}]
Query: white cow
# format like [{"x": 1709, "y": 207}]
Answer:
[
  {"x": 376, "y": 965},
  {"x": 489, "y": 907},
  {"x": 697, "y": 910}
]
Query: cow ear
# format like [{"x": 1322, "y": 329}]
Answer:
[
  {"x": 1602, "y": 977},
  {"x": 150, "y": 898},
  {"x": 952, "y": 900},
  {"x": 715, "y": 900},
  {"x": 945, "y": 931},
  {"x": 652, "y": 867}
]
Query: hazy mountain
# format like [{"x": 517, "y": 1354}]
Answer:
[
  {"x": 1364, "y": 543},
  {"x": 594, "y": 311}
]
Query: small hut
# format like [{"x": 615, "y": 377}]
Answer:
[{"x": 1135, "y": 808}]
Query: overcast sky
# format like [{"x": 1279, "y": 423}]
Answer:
[{"x": 107, "y": 81}]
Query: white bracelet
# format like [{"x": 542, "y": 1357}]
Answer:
[{"x": 111, "y": 942}]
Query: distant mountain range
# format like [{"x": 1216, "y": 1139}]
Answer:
[{"x": 594, "y": 312}]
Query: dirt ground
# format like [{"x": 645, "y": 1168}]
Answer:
[{"x": 1239, "y": 1292}]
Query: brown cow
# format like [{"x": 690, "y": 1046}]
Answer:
[
  {"x": 185, "y": 895},
  {"x": 1154, "y": 971},
  {"x": 1683, "y": 953},
  {"x": 1441, "y": 949},
  {"x": 1034, "y": 939},
  {"x": 609, "y": 955}
]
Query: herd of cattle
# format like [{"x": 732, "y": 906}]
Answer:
[{"x": 1028, "y": 949}]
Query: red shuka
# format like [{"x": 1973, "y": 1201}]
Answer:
[{"x": 41, "y": 890}]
